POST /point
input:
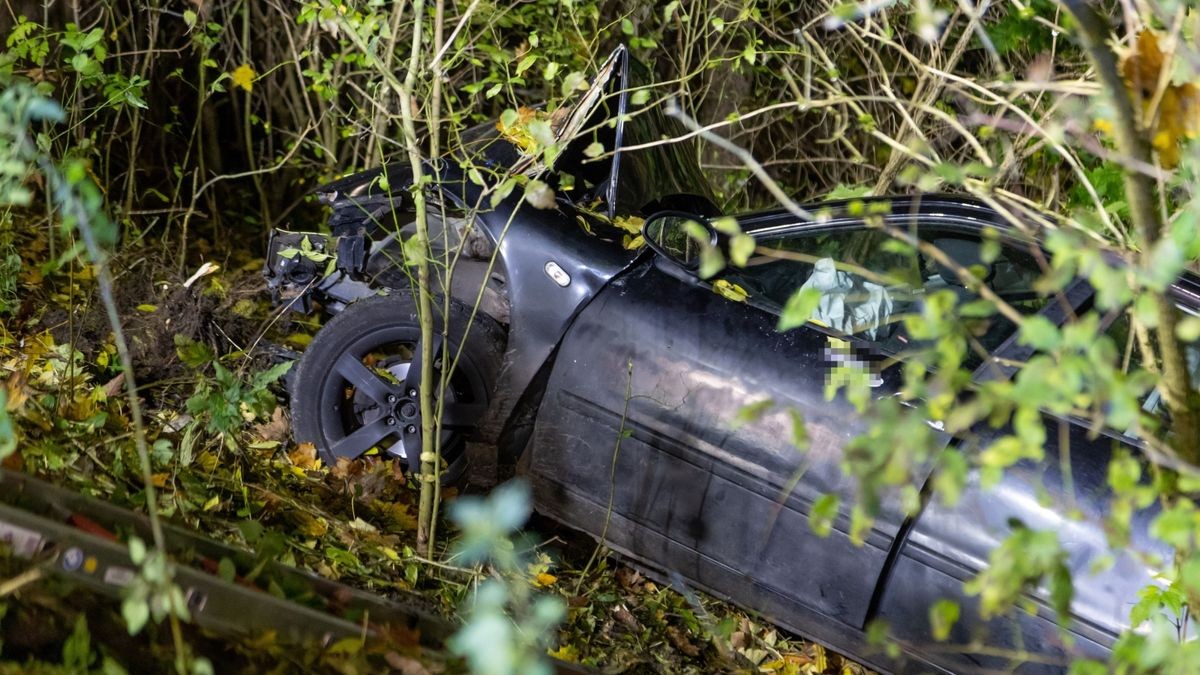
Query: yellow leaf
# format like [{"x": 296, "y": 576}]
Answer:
[
  {"x": 207, "y": 460},
  {"x": 397, "y": 515},
  {"x": 160, "y": 479},
  {"x": 730, "y": 291},
  {"x": 362, "y": 526},
  {"x": 147, "y": 308},
  {"x": 517, "y": 132},
  {"x": 565, "y": 653},
  {"x": 819, "y": 658},
  {"x": 212, "y": 503},
  {"x": 1177, "y": 115},
  {"x": 349, "y": 646},
  {"x": 310, "y": 526},
  {"x": 544, "y": 579},
  {"x": 299, "y": 339},
  {"x": 631, "y": 224},
  {"x": 244, "y": 76}
]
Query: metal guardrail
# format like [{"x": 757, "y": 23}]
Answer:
[{"x": 76, "y": 537}]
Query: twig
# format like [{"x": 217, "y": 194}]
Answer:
[{"x": 10, "y": 586}]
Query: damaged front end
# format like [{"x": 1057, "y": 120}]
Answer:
[
  {"x": 370, "y": 229},
  {"x": 302, "y": 264},
  {"x": 332, "y": 268}
]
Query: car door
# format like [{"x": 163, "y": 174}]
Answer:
[{"x": 637, "y": 441}]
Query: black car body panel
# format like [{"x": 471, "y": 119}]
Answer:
[
  {"x": 628, "y": 378},
  {"x": 689, "y": 365},
  {"x": 636, "y": 444}
]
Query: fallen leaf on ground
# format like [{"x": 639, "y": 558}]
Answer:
[
  {"x": 274, "y": 429},
  {"x": 305, "y": 456},
  {"x": 681, "y": 641}
]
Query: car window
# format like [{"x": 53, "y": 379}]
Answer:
[{"x": 868, "y": 281}]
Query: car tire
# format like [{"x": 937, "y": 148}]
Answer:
[{"x": 352, "y": 387}]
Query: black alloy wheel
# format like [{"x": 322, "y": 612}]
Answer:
[{"x": 357, "y": 386}]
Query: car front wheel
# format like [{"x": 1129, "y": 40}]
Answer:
[{"x": 357, "y": 386}]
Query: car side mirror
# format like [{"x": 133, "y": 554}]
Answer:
[{"x": 679, "y": 236}]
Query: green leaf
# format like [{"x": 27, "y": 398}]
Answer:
[
  {"x": 526, "y": 62},
  {"x": 799, "y": 308},
  {"x": 799, "y": 429},
  {"x": 1188, "y": 329},
  {"x": 726, "y": 225},
  {"x": 573, "y": 81},
  {"x": 414, "y": 252},
  {"x": 77, "y": 652},
  {"x": 951, "y": 476},
  {"x": 539, "y": 195},
  {"x": 943, "y": 614},
  {"x": 751, "y": 412},
  {"x": 824, "y": 512},
  {"x": 272, "y": 374},
  {"x": 1175, "y": 526},
  {"x": 226, "y": 570},
  {"x": 594, "y": 150},
  {"x": 977, "y": 309},
  {"x": 136, "y": 612},
  {"x": 251, "y": 531},
  {"x": 741, "y": 247},
  {"x": 1145, "y": 310},
  {"x": 110, "y": 667},
  {"x": 8, "y": 432},
  {"x": 1006, "y": 451},
  {"x": 193, "y": 354},
  {"x": 711, "y": 262},
  {"x": 503, "y": 190},
  {"x": 1040, "y": 333},
  {"x": 1088, "y": 667},
  {"x": 137, "y": 550}
]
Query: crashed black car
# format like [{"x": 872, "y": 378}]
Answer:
[{"x": 609, "y": 375}]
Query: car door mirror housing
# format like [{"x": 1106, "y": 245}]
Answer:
[{"x": 679, "y": 236}]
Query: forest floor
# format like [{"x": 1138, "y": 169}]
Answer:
[{"x": 225, "y": 465}]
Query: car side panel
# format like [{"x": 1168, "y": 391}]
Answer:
[
  {"x": 951, "y": 544},
  {"x": 694, "y": 496}
]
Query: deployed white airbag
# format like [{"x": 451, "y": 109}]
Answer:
[{"x": 848, "y": 303}]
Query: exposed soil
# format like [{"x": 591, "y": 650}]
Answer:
[{"x": 155, "y": 307}]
